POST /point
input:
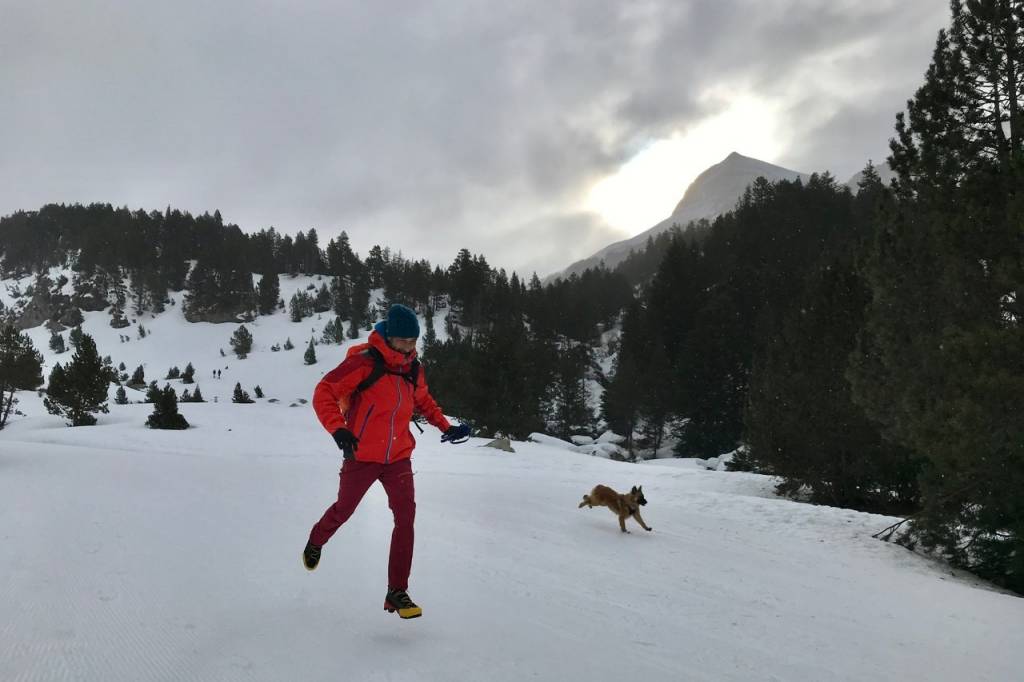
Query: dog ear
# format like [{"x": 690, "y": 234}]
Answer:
[{"x": 633, "y": 489}]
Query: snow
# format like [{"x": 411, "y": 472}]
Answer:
[
  {"x": 132, "y": 554},
  {"x": 129, "y": 554},
  {"x": 172, "y": 341},
  {"x": 611, "y": 437},
  {"x": 551, "y": 441}
]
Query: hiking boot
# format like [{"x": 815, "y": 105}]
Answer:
[
  {"x": 398, "y": 600},
  {"x": 311, "y": 556}
]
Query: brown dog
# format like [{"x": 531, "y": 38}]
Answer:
[{"x": 623, "y": 505}]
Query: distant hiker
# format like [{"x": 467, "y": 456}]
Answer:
[{"x": 366, "y": 404}]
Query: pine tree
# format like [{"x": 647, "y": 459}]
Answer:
[
  {"x": 20, "y": 368},
  {"x": 57, "y": 343},
  {"x": 429, "y": 335},
  {"x": 197, "y": 397},
  {"x": 300, "y": 306},
  {"x": 79, "y": 390},
  {"x": 340, "y": 298},
  {"x": 310, "y": 356},
  {"x": 938, "y": 363},
  {"x": 571, "y": 413},
  {"x": 288, "y": 345},
  {"x": 241, "y": 342},
  {"x": 165, "y": 413},
  {"x": 360, "y": 301},
  {"x": 173, "y": 373},
  {"x": 120, "y": 397},
  {"x": 240, "y": 396},
  {"x": 187, "y": 377},
  {"x": 117, "y": 317},
  {"x": 322, "y": 301},
  {"x": 74, "y": 317},
  {"x": 801, "y": 421},
  {"x": 267, "y": 292},
  {"x": 186, "y": 397},
  {"x": 334, "y": 332},
  {"x": 258, "y": 391},
  {"x": 138, "y": 377}
]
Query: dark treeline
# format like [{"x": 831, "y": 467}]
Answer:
[
  {"x": 516, "y": 356},
  {"x": 868, "y": 349},
  {"x": 743, "y": 334}
]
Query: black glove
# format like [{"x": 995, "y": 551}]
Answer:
[
  {"x": 456, "y": 434},
  {"x": 347, "y": 442}
]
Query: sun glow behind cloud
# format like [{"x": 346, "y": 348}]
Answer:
[{"x": 645, "y": 190}]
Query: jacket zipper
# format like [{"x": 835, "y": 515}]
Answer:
[{"x": 391, "y": 429}]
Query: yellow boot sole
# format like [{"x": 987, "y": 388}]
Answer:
[{"x": 414, "y": 612}]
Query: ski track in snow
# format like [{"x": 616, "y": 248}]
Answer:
[{"x": 132, "y": 554}]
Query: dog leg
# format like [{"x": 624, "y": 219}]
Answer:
[
  {"x": 636, "y": 515},
  {"x": 585, "y": 502},
  {"x": 622, "y": 524}
]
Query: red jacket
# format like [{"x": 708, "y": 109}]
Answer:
[{"x": 378, "y": 416}]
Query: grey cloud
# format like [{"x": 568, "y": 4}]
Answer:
[{"x": 422, "y": 128}]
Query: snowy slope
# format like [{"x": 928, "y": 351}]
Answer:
[
  {"x": 131, "y": 554},
  {"x": 711, "y": 194},
  {"x": 172, "y": 341}
]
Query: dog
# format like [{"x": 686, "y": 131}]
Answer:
[{"x": 623, "y": 505}]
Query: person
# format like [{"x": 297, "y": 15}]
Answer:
[{"x": 366, "y": 404}]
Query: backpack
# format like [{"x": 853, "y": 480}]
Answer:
[{"x": 380, "y": 369}]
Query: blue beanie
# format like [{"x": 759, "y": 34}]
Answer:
[{"x": 401, "y": 323}]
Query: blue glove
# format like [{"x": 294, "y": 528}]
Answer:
[{"x": 456, "y": 434}]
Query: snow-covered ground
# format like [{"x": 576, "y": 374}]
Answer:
[{"x": 131, "y": 554}]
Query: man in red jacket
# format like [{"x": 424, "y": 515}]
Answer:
[{"x": 366, "y": 403}]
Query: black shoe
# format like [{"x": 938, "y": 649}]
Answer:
[
  {"x": 311, "y": 556},
  {"x": 398, "y": 600}
]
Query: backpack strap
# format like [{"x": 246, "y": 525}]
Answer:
[
  {"x": 375, "y": 374},
  {"x": 380, "y": 369},
  {"x": 413, "y": 375}
]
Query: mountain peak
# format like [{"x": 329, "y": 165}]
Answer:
[
  {"x": 712, "y": 193},
  {"x": 716, "y": 189}
]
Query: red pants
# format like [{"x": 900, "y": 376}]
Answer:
[{"x": 356, "y": 479}]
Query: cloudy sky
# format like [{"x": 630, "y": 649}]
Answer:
[{"x": 534, "y": 132}]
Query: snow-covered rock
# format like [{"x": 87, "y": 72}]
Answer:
[
  {"x": 582, "y": 440},
  {"x": 606, "y": 450},
  {"x": 550, "y": 440},
  {"x": 611, "y": 437}
]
